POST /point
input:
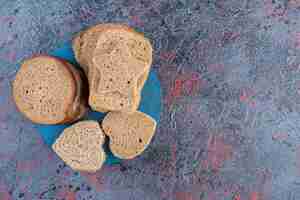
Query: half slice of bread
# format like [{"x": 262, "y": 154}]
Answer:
[
  {"x": 45, "y": 89},
  {"x": 129, "y": 133},
  {"x": 80, "y": 146}
]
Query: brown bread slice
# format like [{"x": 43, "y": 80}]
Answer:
[
  {"x": 129, "y": 133},
  {"x": 80, "y": 146},
  {"x": 110, "y": 101},
  {"x": 44, "y": 90},
  {"x": 135, "y": 99},
  {"x": 84, "y": 43},
  {"x": 117, "y": 60},
  {"x": 117, "y": 63},
  {"x": 110, "y": 97}
]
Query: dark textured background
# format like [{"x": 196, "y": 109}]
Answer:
[{"x": 230, "y": 73}]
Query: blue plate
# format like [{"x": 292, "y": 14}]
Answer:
[{"x": 150, "y": 104}]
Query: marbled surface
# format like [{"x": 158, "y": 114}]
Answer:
[{"x": 230, "y": 74}]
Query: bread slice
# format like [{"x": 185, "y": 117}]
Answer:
[
  {"x": 44, "y": 90},
  {"x": 84, "y": 43},
  {"x": 80, "y": 146},
  {"x": 129, "y": 133},
  {"x": 114, "y": 101},
  {"x": 117, "y": 61},
  {"x": 80, "y": 104},
  {"x": 109, "y": 99}
]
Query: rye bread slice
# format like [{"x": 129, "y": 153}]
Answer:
[
  {"x": 129, "y": 133},
  {"x": 80, "y": 146},
  {"x": 44, "y": 89}
]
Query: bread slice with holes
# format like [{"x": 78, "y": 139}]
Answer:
[
  {"x": 80, "y": 146},
  {"x": 129, "y": 133},
  {"x": 48, "y": 90},
  {"x": 117, "y": 61}
]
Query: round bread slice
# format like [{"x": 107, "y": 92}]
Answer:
[
  {"x": 80, "y": 146},
  {"x": 44, "y": 90},
  {"x": 129, "y": 133}
]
